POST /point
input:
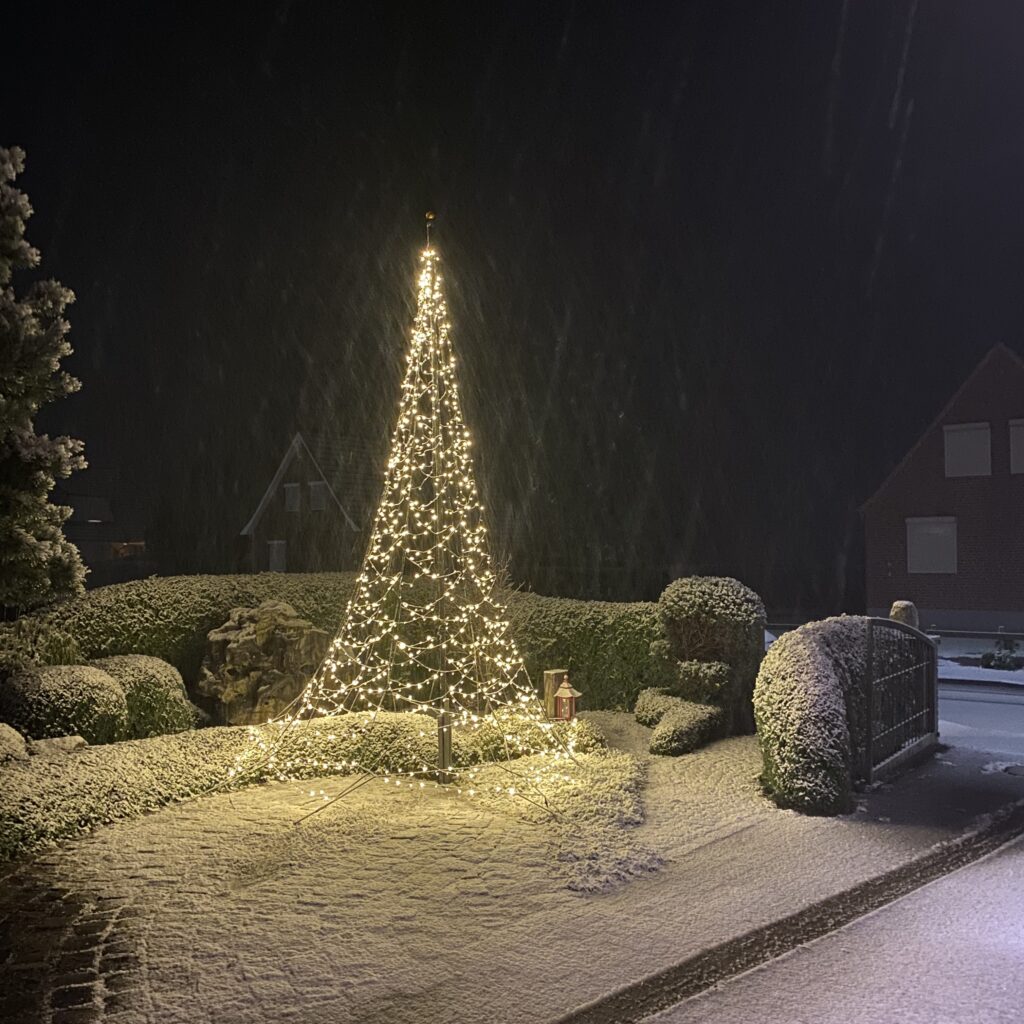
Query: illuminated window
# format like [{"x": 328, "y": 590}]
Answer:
[
  {"x": 931, "y": 544},
  {"x": 291, "y": 497},
  {"x": 1017, "y": 446},
  {"x": 968, "y": 449},
  {"x": 317, "y": 495}
]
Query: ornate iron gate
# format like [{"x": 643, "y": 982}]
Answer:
[{"x": 900, "y": 697}]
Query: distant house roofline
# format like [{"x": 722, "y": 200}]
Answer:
[
  {"x": 297, "y": 444},
  {"x": 998, "y": 347}
]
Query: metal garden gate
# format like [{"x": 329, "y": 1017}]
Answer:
[{"x": 900, "y": 697}]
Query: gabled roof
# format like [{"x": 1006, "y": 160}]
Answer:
[
  {"x": 998, "y": 349},
  {"x": 298, "y": 445}
]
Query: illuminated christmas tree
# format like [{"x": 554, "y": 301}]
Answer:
[{"x": 425, "y": 631}]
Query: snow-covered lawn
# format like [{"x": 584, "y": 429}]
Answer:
[{"x": 412, "y": 908}]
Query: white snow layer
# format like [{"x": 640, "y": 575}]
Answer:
[{"x": 396, "y": 907}]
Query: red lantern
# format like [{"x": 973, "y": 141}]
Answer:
[{"x": 565, "y": 701}]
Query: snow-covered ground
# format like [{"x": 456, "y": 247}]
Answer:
[
  {"x": 949, "y": 952},
  {"x": 407, "y": 908}
]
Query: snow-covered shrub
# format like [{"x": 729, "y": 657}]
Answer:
[
  {"x": 58, "y": 700},
  {"x": 810, "y": 715},
  {"x": 686, "y": 726},
  {"x": 155, "y": 693},
  {"x": 12, "y": 744},
  {"x": 507, "y": 735},
  {"x": 716, "y": 618},
  {"x": 703, "y": 682},
  {"x": 652, "y": 703}
]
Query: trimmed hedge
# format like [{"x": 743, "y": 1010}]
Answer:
[
  {"x": 613, "y": 650},
  {"x": 46, "y": 799},
  {"x": 809, "y": 708},
  {"x": 606, "y": 645},
  {"x": 55, "y": 700},
  {"x": 155, "y": 694},
  {"x": 717, "y": 619},
  {"x": 685, "y": 727}
]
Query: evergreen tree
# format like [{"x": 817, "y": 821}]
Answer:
[{"x": 37, "y": 562}]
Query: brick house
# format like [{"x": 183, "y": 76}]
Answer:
[
  {"x": 313, "y": 514},
  {"x": 946, "y": 528}
]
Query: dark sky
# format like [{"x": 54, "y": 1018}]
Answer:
[{"x": 713, "y": 266}]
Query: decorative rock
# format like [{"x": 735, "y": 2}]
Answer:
[
  {"x": 12, "y": 744},
  {"x": 258, "y": 662},
  {"x": 905, "y": 612},
  {"x": 56, "y": 745}
]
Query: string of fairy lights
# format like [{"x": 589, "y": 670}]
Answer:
[{"x": 425, "y": 631}]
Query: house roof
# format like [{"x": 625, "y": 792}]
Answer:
[
  {"x": 998, "y": 349},
  {"x": 296, "y": 446}
]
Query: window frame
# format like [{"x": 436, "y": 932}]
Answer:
[
  {"x": 292, "y": 490},
  {"x": 910, "y": 521},
  {"x": 319, "y": 489},
  {"x": 962, "y": 429}
]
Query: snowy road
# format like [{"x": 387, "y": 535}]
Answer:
[
  {"x": 982, "y": 717},
  {"x": 949, "y": 953}
]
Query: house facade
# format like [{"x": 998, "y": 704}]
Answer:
[
  {"x": 946, "y": 528},
  {"x": 302, "y": 523}
]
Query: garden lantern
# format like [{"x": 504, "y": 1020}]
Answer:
[{"x": 565, "y": 701}]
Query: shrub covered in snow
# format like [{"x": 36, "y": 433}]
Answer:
[
  {"x": 703, "y": 682},
  {"x": 652, "y": 704},
  {"x": 686, "y": 726},
  {"x": 155, "y": 693},
  {"x": 56, "y": 700},
  {"x": 717, "y": 619},
  {"x": 508, "y": 735},
  {"x": 809, "y": 707},
  {"x": 12, "y": 744},
  {"x": 45, "y": 799}
]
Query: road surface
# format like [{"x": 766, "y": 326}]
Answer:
[{"x": 949, "y": 953}]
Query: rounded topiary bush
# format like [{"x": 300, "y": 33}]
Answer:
[
  {"x": 652, "y": 704},
  {"x": 808, "y": 706},
  {"x": 686, "y": 726},
  {"x": 58, "y": 700},
  {"x": 155, "y": 693},
  {"x": 717, "y": 619}
]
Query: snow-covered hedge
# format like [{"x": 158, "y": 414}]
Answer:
[
  {"x": 716, "y": 619},
  {"x": 155, "y": 693},
  {"x": 55, "y": 700},
  {"x": 686, "y": 726},
  {"x": 46, "y": 799},
  {"x": 809, "y": 708},
  {"x": 606, "y": 645}
]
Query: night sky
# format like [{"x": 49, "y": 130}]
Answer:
[{"x": 713, "y": 266}]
